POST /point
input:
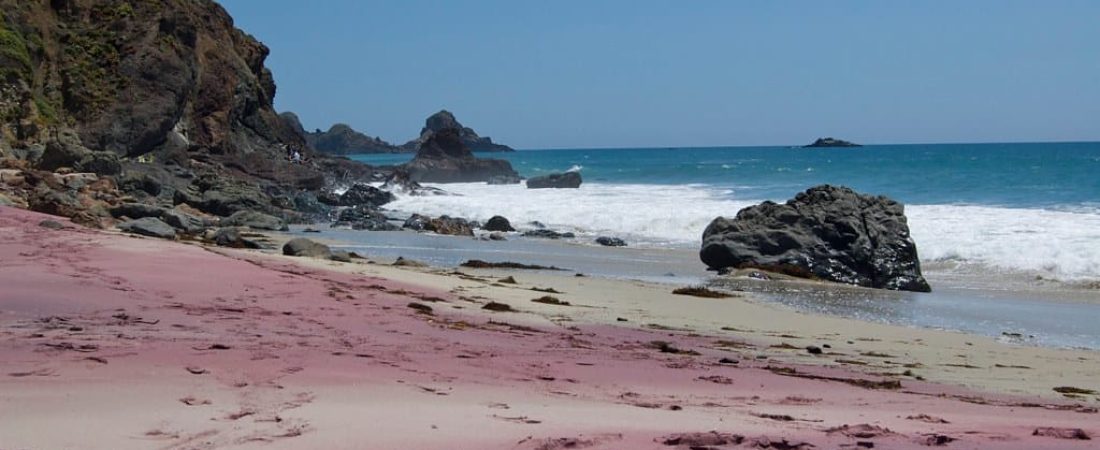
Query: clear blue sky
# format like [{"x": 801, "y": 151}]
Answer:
[{"x": 623, "y": 73}]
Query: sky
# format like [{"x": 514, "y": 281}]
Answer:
[{"x": 640, "y": 73}]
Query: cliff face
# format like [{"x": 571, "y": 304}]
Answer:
[
  {"x": 134, "y": 77},
  {"x": 444, "y": 120},
  {"x": 164, "y": 100}
]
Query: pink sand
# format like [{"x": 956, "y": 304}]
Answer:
[{"x": 98, "y": 331}]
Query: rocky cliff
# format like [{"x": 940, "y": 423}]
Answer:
[
  {"x": 167, "y": 98},
  {"x": 135, "y": 77},
  {"x": 444, "y": 120}
]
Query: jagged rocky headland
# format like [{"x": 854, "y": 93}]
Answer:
[{"x": 113, "y": 111}]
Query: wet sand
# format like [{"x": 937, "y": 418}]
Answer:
[
  {"x": 113, "y": 341},
  {"x": 1011, "y": 306}
]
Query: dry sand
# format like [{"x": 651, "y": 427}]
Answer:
[{"x": 112, "y": 341}]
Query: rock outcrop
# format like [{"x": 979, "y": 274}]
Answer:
[
  {"x": 341, "y": 139},
  {"x": 831, "y": 142},
  {"x": 306, "y": 248},
  {"x": 498, "y": 223},
  {"x": 445, "y": 158},
  {"x": 444, "y": 120},
  {"x": 364, "y": 217},
  {"x": 232, "y": 237},
  {"x": 827, "y": 232},
  {"x": 149, "y": 226},
  {"x": 365, "y": 194},
  {"x": 608, "y": 241},
  {"x": 567, "y": 180}
]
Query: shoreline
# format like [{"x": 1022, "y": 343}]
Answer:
[
  {"x": 312, "y": 348},
  {"x": 1008, "y": 306}
]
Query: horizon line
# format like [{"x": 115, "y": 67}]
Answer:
[{"x": 800, "y": 146}]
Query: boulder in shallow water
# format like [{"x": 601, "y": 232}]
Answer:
[
  {"x": 307, "y": 248},
  {"x": 363, "y": 194},
  {"x": 417, "y": 222},
  {"x": 567, "y": 180},
  {"x": 548, "y": 234},
  {"x": 498, "y": 223},
  {"x": 610, "y": 241},
  {"x": 455, "y": 226},
  {"x": 149, "y": 226},
  {"x": 827, "y": 232},
  {"x": 365, "y": 218}
]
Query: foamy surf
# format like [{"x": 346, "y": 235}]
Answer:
[{"x": 1054, "y": 244}]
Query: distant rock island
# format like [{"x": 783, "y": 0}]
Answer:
[
  {"x": 445, "y": 158},
  {"x": 444, "y": 120},
  {"x": 831, "y": 142},
  {"x": 342, "y": 139}
]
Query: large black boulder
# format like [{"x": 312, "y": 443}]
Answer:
[
  {"x": 149, "y": 226},
  {"x": 364, "y": 194},
  {"x": 364, "y": 218},
  {"x": 66, "y": 150},
  {"x": 498, "y": 223},
  {"x": 607, "y": 241},
  {"x": 567, "y": 180},
  {"x": 827, "y": 232},
  {"x": 306, "y": 248}
]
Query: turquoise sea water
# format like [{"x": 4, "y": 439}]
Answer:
[
  {"x": 1031, "y": 209},
  {"x": 1048, "y": 175},
  {"x": 1008, "y": 234}
]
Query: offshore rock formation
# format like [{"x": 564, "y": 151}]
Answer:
[
  {"x": 444, "y": 120},
  {"x": 827, "y": 232},
  {"x": 340, "y": 139},
  {"x": 831, "y": 142},
  {"x": 444, "y": 158},
  {"x": 567, "y": 180}
]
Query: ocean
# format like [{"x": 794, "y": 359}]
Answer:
[
  {"x": 1008, "y": 234},
  {"x": 1022, "y": 208}
]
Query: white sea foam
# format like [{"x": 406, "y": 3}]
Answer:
[
  {"x": 654, "y": 215},
  {"x": 1053, "y": 243},
  {"x": 1058, "y": 244}
]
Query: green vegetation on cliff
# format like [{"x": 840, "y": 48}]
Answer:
[{"x": 15, "y": 58}]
